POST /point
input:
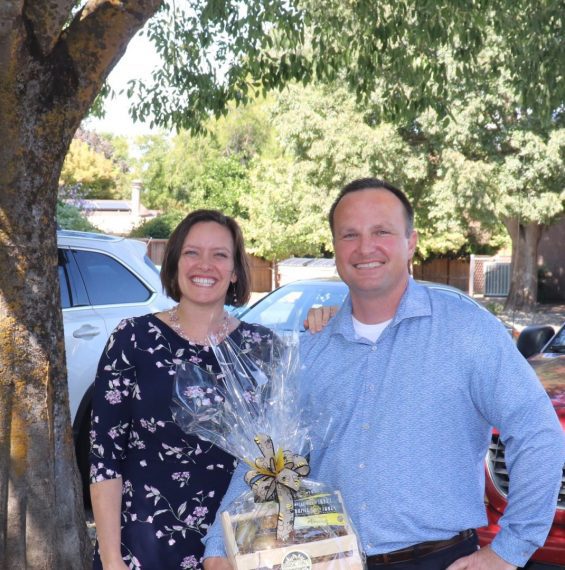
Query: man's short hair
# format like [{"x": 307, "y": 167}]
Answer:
[{"x": 375, "y": 184}]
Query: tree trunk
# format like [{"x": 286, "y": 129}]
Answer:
[
  {"x": 524, "y": 281},
  {"x": 43, "y": 519},
  {"x": 48, "y": 80}
]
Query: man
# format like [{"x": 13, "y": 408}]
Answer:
[{"x": 414, "y": 381}]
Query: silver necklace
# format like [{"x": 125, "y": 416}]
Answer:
[{"x": 218, "y": 336}]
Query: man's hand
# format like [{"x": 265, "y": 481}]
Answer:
[
  {"x": 217, "y": 563},
  {"x": 483, "y": 559},
  {"x": 318, "y": 318}
]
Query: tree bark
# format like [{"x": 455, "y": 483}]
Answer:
[
  {"x": 524, "y": 283},
  {"x": 49, "y": 77}
]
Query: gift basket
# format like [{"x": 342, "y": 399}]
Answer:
[{"x": 256, "y": 412}]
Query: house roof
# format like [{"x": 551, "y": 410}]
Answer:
[{"x": 110, "y": 206}]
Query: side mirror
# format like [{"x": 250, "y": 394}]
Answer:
[{"x": 533, "y": 338}]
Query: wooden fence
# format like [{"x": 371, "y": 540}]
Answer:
[
  {"x": 453, "y": 272},
  {"x": 261, "y": 270},
  {"x": 261, "y": 274}
]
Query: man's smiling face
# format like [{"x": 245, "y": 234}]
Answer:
[{"x": 372, "y": 248}]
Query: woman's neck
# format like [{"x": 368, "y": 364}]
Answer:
[
  {"x": 199, "y": 321},
  {"x": 200, "y": 326}
]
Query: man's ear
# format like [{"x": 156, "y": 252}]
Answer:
[{"x": 412, "y": 243}]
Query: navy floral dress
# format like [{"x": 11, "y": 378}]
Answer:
[{"x": 172, "y": 482}]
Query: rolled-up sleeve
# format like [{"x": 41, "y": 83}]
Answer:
[{"x": 516, "y": 403}]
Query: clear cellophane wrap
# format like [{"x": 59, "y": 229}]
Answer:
[{"x": 256, "y": 412}]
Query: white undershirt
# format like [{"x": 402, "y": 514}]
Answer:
[{"x": 370, "y": 332}]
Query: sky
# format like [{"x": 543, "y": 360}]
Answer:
[{"x": 138, "y": 62}]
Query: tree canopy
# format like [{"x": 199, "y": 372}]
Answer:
[
  {"x": 396, "y": 47},
  {"x": 99, "y": 176}
]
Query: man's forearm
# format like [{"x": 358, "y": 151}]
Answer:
[{"x": 217, "y": 563}]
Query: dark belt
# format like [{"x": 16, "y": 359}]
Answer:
[{"x": 422, "y": 549}]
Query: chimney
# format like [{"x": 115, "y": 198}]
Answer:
[{"x": 136, "y": 198}]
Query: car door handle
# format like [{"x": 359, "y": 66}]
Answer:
[{"x": 86, "y": 331}]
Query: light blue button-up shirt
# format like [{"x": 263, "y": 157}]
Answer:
[{"x": 412, "y": 420}]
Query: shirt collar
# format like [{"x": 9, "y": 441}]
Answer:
[{"x": 415, "y": 302}]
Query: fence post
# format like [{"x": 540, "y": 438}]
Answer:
[{"x": 472, "y": 276}]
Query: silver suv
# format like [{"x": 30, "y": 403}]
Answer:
[{"x": 103, "y": 279}]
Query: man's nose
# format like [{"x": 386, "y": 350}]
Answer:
[{"x": 366, "y": 243}]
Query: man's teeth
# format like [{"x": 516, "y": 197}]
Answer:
[
  {"x": 203, "y": 282},
  {"x": 371, "y": 265}
]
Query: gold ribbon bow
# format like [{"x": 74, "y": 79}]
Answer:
[{"x": 276, "y": 476}]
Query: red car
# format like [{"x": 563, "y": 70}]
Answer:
[{"x": 546, "y": 353}]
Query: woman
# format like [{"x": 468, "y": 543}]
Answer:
[{"x": 155, "y": 489}]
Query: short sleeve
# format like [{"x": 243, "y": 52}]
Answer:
[{"x": 115, "y": 387}]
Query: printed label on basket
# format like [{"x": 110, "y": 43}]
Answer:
[
  {"x": 296, "y": 560},
  {"x": 322, "y": 509}
]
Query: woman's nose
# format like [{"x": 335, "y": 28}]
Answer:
[{"x": 204, "y": 262}]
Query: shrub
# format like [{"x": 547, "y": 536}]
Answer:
[
  {"x": 160, "y": 227},
  {"x": 71, "y": 218}
]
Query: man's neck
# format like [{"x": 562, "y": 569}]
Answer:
[{"x": 374, "y": 308}]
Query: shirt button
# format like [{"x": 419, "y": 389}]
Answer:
[
  {"x": 363, "y": 506},
  {"x": 373, "y": 348},
  {"x": 365, "y": 427},
  {"x": 369, "y": 546},
  {"x": 361, "y": 466},
  {"x": 371, "y": 387}
]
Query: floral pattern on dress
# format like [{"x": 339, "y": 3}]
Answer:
[{"x": 172, "y": 483}]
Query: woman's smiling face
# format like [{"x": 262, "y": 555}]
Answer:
[{"x": 206, "y": 264}]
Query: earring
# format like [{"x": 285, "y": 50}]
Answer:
[{"x": 234, "y": 297}]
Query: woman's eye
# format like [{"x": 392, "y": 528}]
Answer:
[{"x": 189, "y": 252}]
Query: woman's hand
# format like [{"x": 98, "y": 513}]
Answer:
[{"x": 318, "y": 318}]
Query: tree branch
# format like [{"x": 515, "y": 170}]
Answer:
[
  {"x": 46, "y": 19},
  {"x": 98, "y": 36}
]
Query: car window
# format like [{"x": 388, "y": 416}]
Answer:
[
  {"x": 73, "y": 293},
  {"x": 287, "y": 308},
  {"x": 107, "y": 281},
  {"x": 557, "y": 343},
  {"x": 64, "y": 286},
  {"x": 282, "y": 313}
]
